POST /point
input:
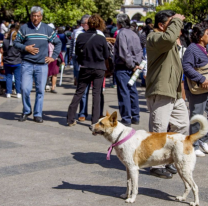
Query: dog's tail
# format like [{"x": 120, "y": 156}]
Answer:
[{"x": 203, "y": 127}]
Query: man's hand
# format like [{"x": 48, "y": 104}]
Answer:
[
  {"x": 48, "y": 60},
  {"x": 136, "y": 67},
  {"x": 205, "y": 84},
  {"x": 179, "y": 16},
  {"x": 31, "y": 49},
  {"x": 63, "y": 63}
]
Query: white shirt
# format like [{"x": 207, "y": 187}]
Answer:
[
  {"x": 37, "y": 27},
  {"x": 4, "y": 29}
]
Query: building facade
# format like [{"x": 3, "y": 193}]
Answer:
[{"x": 138, "y": 8}]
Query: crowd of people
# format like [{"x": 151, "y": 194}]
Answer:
[{"x": 176, "y": 69}]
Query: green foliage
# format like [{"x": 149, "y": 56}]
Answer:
[
  {"x": 149, "y": 15},
  {"x": 194, "y": 10},
  {"x": 59, "y": 12},
  {"x": 108, "y": 8}
]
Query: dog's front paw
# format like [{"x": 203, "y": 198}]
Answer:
[
  {"x": 194, "y": 204},
  {"x": 124, "y": 196},
  {"x": 130, "y": 200},
  {"x": 180, "y": 198}
]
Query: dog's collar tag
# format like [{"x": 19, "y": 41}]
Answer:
[{"x": 119, "y": 143}]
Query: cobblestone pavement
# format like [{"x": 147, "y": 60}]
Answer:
[{"x": 52, "y": 164}]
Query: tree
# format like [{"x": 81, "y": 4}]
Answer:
[
  {"x": 59, "y": 12},
  {"x": 194, "y": 10},
  {"x": 108, "y": 8}
]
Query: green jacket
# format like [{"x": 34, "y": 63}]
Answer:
[{"x": 164, "y": 69}]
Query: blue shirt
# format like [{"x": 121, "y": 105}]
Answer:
[
  {"x": 194, "y": 57},
  {"x": 62, "y": 37},
  {"x": 40, "y": 36}
]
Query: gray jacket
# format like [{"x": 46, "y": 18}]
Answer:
[{"x": 127, "y": 49}]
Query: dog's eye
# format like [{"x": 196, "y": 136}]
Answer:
[{"x": 100, "y": 123}]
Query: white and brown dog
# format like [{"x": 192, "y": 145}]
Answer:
[{"x": 146, "y": 149}]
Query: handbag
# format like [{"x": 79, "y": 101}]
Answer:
[{"x": 194, "y": 87}]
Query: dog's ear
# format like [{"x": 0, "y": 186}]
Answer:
[
  {"x": 113, "y": 118},
  {"x": 107, "y": 114}
]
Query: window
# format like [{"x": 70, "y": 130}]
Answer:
[{"x": 137, "y": 2}]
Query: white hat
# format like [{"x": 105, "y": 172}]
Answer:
[{"x": 51, "y": 25}]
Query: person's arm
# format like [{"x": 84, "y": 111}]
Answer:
[
  {"x": 123, "y": 51},
  {"x": 57, "y": 44},
  {"x": 19, "y": 41},
  {"x": 77, "y": 46},
  {"x": 188, "y": 67},
  {"x": 168, "y": 38}
]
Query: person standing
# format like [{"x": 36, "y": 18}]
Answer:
[
  {"x": 3, "y": 28},
  {"x": 195, "y": 64},
  {"x": 163, "y": 82},
  {"x": 92, "y": 51},
  {"x": 127, "y": 57},
  {"x": 12, "y": 64},
  {"x": 83, "y": 109},
  {"x": 32, "y": 40},
  {"x": 63, "y": 39}
]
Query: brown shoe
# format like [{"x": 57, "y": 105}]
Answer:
[
  {"x": 81, "y": 119},
  {"x": 72, "y": 124},
  {"x": 75, "y": 81}
]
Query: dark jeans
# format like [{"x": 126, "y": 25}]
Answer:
[
  {"x": 197, "y": 105},
  {"x": 128, "y": 99},
  {"x": 86, "y": 75},
  {"x": 17, "y": 75}
]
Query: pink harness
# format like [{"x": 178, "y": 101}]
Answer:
[{"x": 119, "y": 143}]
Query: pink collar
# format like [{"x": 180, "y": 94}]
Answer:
[{"x": 119, "y": 143}]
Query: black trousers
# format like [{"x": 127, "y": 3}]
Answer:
[{"x": 86, "y": 76}]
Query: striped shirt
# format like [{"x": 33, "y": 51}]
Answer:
[
  {"x": 194, "y": 57},
  {"x": 40, "y": 36}
]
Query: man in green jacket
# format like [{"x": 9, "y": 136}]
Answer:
[{"x": 163, "y": 82}]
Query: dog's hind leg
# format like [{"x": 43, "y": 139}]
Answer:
[
  {"x": 187, "y": 177},
  {"x": 134, "y": 174},
  {"x": 128, "y": 189},
  {"x": 187, "y": 187}
]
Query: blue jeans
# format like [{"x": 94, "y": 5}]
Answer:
[
  {"x": 17, "y": 75},
  {"x": 128, "y": 99},
  {"x": 197, "y": 105},
  {"x": 76, "y": 67},
  {"x": 66, "y": 57},
  {"x": 84, "y": 103},
  {"x": 39, "y": 72}
]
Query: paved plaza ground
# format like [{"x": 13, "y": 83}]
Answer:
[{"x": 52, "y": 164}]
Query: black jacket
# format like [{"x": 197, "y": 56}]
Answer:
[
  {"x": 11, "y": 55},
  {"x": 95, "y": 53}
]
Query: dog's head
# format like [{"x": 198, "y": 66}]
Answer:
[{"x": 105, "y": 125}]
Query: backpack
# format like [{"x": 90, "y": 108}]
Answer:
[{"x": 109, "y": 62}]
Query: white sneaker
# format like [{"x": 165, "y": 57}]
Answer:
[
  {"x": 8, "y": 95},
  {"x": 47, "y": 88},
  {"x": 199, "y": 153},
  {"x": 19, "y": 96},
  {"x": 204, "y": 146}
]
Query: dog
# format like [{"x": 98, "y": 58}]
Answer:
[{"x": 146, "y": 149}]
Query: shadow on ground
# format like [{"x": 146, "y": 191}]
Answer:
[
  {"x": 114, "y": 191},
  {"x": 10, "y": 115},
  {"x": 100, "y": 159}
]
